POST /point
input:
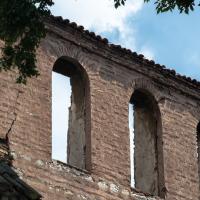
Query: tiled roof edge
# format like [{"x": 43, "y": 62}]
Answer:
[{"x": 162, "y": 68}]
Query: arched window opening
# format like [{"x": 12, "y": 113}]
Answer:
[
  {"x": 70, "y": 139},
  {"x": 198, "y": 148},
  {"x": 145, "y": 143}
]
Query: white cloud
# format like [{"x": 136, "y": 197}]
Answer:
[
  {"x": 147, "y": 52},
  {"x": 94, "y": 13},
  {"x": 104, "y": 19},
  {"x": 101, "y": 16}
]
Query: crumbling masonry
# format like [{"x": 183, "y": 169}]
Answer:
[{"x": 105, "y": 78}]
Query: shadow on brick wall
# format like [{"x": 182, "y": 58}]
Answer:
[{"x": 11, "y": 186}]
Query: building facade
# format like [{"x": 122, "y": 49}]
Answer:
[{"x": 105, "y": 79}]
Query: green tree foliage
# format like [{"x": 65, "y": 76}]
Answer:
[
  {"x": 22, "y": 28},
  {"x": 119, "y": 3},
  {"x": 183, "y": 6}
]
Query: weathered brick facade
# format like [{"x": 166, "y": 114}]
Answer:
[{"x": 114, "y": 74}]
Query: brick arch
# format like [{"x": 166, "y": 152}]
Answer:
[
  {"x": 195, "y": 112},
  {"x": 72, "y": 62},
  {"x": 147, "y": 85},
  {"x": 147, "y": 93},
  {"x": 70, "y": 52},
  {"x": 70, "y": 67}
]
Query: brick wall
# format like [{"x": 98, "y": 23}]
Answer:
[{"x": 25, "y": 117}]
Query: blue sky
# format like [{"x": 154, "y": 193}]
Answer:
[
  {"x": 171, "y": 39},
  {"x": 61, "y": 100}
]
